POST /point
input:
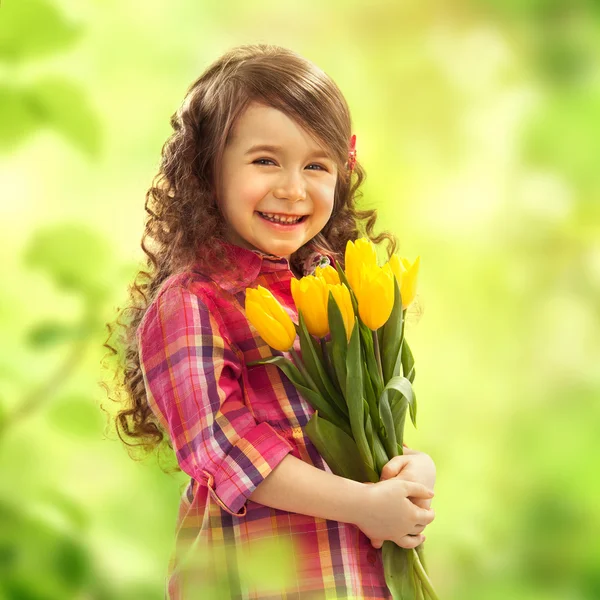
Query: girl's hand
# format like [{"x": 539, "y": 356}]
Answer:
[
  {"x": 390, "y": 515},
  {"x": 412, "y": 466}
]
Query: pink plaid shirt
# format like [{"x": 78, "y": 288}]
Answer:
[{"x": 230, "y": 426}]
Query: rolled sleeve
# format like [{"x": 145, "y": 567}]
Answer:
[{"x": 193, "y": 382}]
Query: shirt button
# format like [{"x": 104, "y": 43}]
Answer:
[{"x": 372, "y": 556}]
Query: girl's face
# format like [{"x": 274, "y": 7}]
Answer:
[{"x": 292, "y": 176}]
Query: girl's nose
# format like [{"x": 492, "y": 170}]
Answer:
[{"x": 291, "y": 186}]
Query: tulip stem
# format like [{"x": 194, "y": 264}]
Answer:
[
  {"x": 422, "y": 575},
  {"x": 378, "y": 356},
  {"x": 298, "y": 362}
]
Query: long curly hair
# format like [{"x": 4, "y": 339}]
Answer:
[{"x": 183, "y": 215}]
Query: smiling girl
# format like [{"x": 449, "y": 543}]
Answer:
[{"x": 255, "y": 188}]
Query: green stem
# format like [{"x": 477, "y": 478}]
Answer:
[
  {"x": 377, "y": 355},
  {"x": 428, "y": 587},
  {"x": 309, "y": 380}
]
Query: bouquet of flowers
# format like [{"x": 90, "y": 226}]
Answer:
[{"x": 356, "y": 371}]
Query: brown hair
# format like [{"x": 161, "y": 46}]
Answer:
[{"x": 184, "y": 218}]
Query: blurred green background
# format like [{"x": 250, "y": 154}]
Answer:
[{"x": 478, "y": 125}]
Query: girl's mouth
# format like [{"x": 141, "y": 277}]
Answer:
[{"x": 281, "y": 225}]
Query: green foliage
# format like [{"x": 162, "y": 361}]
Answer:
[
  {"x": 73, "y": 255},
  {"x": 33, "y": 29}
]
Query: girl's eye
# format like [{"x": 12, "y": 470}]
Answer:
[{"x": 258, "y": 160}]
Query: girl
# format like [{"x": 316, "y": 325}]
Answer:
[{"x": 254, "y": 188}]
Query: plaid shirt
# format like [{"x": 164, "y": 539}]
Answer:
[{"x": 230, "y": 426}]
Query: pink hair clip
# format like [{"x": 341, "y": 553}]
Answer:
[{"x": 352, "y": 153}]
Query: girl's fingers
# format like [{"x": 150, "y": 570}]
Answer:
[
  {"x": 418, "y": 490},
  {"x": 417, "y": 529},
  {"x": 393, "y": 467},
  {"x": 411, "y": 541}
]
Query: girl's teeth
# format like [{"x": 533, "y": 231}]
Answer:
[{"x": 280, "y": 220}]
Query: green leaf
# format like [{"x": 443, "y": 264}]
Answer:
[
  {"x": 339, "y": 341},
  {"x": 315, "y": 369},
  {"x": 392, "y": 336},
  {"x": 398, "y": 568},
  {"x": 313, "y": 398},
  {"x": 385, "y": 412},
  {"x": 369, "y": 352},
  {"x": 369, "y": 434},
  {"x": 64, "y": 106},
  {"x": 371, "y": 397},
  {"x": 408, "y": 362},
  {"x": 32, "y": 29},
  {"x": 354, "y": 395},
  {"x": 398, "y": 406},
  {"x": 77, "y": 416},
  {"x": 75, "y": 256},
  {"x": 50, "y": 333},
  {"x": 402, "y": 385},
  {"x": 381, "y": 456},
  {"x": 331, "y": 369},
  {"x": 339, "y": 450},
  {"x": 18, "y": 119},
  {"x": 413, "y": 410}
]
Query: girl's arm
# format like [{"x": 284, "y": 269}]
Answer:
[
  {"x": 296, "y": 486},
  {"x": 381, "y": 511}
]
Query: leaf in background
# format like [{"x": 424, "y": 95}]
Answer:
[
  {"x": 75, "y": 256},
  {"x": 339, "y": 450},
  {"x": 75, "y": 415},
  {"x": 50, "y": 333},
  {"x": 64, "y": 106},
  {"x": 18, "y": 119},
  {"x": 37, "y": 538},
  {"x": 32, "y": 29},
  {"x": 268, "y": 564}
]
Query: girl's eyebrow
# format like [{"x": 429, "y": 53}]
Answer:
[{"x": 275, "y": 148}]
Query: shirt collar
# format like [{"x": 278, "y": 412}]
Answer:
[{"x": 250, "y": 264}]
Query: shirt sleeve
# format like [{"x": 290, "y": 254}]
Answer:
[{"x": 193, "y": 383}]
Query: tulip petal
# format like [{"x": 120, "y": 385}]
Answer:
[{"x": 269, "y": 329}]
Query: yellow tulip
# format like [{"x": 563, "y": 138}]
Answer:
[
  {"x": 341, "y": 295},
  {"x": 375, "y": 295},
  {"x": 310, "y": 296},
  {"x": 406, "y": 274},
  {"x": 328, "y": 273},
  {"x": 265, "y": 312},
  {"x": 360, "y": 252}
]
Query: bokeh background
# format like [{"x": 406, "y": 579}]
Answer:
[{"x": 478, "y": 125}]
